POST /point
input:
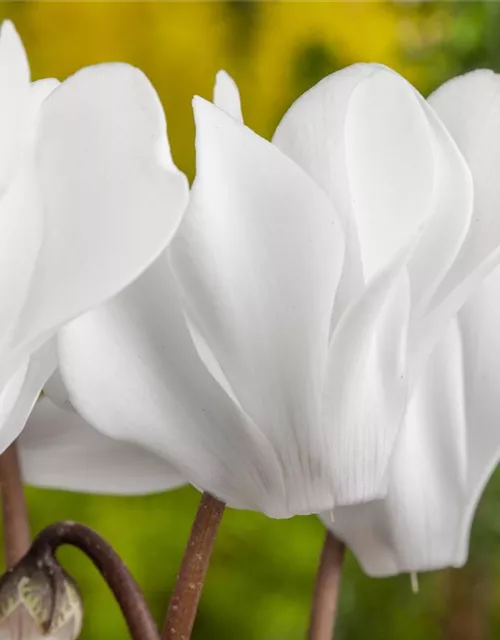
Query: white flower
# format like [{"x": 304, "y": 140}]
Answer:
[
  {"x": 268, "y": 353},
  {"x": 89, "y": 196},
  {"x": 450, "y": 441}
]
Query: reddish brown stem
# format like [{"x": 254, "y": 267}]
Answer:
[
  {"x": 468, "y": 599},
  {"x": 326, "y": 591},
  {"x": 183, "y": 605},
  {"x": 16, "y": 529}
]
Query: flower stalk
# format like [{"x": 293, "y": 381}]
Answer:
[
  {"x": 326, "y": 590},
  {"x": 468, "y": 599},
  {"x": 183, "y": 605},
  {"x": 126, "y": 591},
  {"x": 16, "y": 529}
]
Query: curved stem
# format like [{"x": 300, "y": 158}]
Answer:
[
  {"x": 16, "y": 529},
  {"x": 128, "y": 595},
  {"x": 326, "y": 591},
  {"x": 183, "y": 605}
]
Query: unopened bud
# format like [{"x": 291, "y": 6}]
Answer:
[{"x": 39, "y": 601}]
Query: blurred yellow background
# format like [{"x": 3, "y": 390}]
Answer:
[
  {"x": 260, "y": 581},
  {"x": 274, "y": 50}
]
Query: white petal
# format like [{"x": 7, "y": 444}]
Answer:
[
  {"x": 58, "y": 449},
  {"x": 479, "y": 320},
  {"x": 258, "y": 256},
  {"x": 415, "y": 527},
  {"x": 470, "y": 108},
  {"x": 396, "y": 155},
  {"x": 132, "y": 371},
  {"x": 389, "y": 165},
  {"x": 449, "y": 220},
  {"x": 366, "y": 387},
  {"x": 21, "y": 235},
  {"x": 207, "y": 357},
  {"x": 20, "y": 393},
  {"x": 448, "y": 449},
  {"x": 112, "y": 196},
  {"x": 369, "y": 371},
  {"x": 14, "y": 106},
  {"x": 21, "y": 229},
  {"x": 312, "y": 133},
  {"x": 227, "y": 96},
  {"x": 371, "y": 141}
]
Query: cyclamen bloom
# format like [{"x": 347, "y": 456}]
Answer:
[
  {"x": 82, "y": 168},
  {"x": 268, "y": 354},
  {"x": 450, "y": 440}
]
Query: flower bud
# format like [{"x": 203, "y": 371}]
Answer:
[{"x": 39, "y": 601}]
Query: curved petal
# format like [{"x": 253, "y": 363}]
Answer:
[
  {"x": 449, "y": 221},
  {"x": 258, "y": 257},
  {"x": 20, "y": 393},
  {"x": 406, "y": 176},
  {"x": 110, "y": 191},
  {"x": 370, "y": 372},
  {"x": 21, "y": 212},
  {"x": 366, "y": 387},
  {"x": 389, "y": 158},
  {"x": 371, "y": 141},
  {"x": 479, "y": 320},
  {"x": 447, "y": 451},
  {"x": 469, "y": 106},
  {"x": 14, "y": 106},
  {"x": 58, "y": 449},
  {"x": 21, "y": 236},
  {"x": 132, "y": 371},
  {"x": 415, "y": 527},
  {"x": 312, "y": 134},
  {"x": 227, "y": 95}
]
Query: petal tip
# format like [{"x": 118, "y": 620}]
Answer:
[
  {"x": 12, "y": 51},
  {"x": 7, "y": 29},
  {"x": 222, "y": 74},
  {"x": 203, "y": 108}
]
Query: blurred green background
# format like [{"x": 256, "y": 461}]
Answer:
[{"x": 260, "y": 582}]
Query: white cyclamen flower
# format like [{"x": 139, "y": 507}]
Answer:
[
  {"x": 268, "y": 353},
  {"x": 89, "y": 196},
  {"x": 450, "y": 440}
]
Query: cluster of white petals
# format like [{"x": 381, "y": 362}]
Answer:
[
  {"x": 83, "y": 166},
  {"x": 313, "y": 327}
]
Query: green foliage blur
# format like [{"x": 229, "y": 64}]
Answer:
[{"x": 260, "y": 581}]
